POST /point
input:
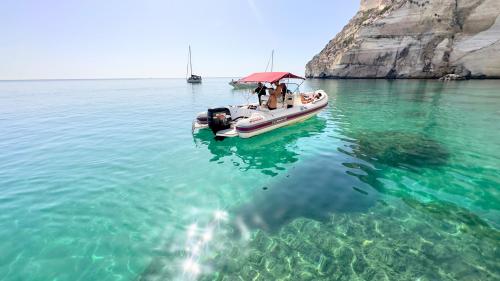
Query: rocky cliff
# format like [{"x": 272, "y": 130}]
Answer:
[{"x": 415, "y": 39}]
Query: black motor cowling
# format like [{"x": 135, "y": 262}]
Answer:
[{"x": 219, "y": 119}]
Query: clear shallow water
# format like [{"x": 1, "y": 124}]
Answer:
[{"x": 103, "y": 180}]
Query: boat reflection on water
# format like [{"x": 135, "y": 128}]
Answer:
[{"x": 267, "y": 153}]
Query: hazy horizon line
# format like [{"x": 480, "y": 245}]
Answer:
[{"x": 116, "y": 78}]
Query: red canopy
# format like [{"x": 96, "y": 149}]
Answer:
[{"x": 269, "y": 77}]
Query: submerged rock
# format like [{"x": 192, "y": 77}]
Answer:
[
  {"x": 416, "y": 246},
  {"x": 415, "y": 39},
  {"x": 447, "y": 212},
  {"x": 400, "y": 149}
]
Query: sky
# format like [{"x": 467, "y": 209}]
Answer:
[{"x": 87, "y": 39}]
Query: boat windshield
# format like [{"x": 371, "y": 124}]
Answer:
[{"x": 293, "y": 86}]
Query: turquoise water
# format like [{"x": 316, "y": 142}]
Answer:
[{"x": 103, "y": 180}]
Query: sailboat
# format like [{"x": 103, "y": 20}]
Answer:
[
  {"x": 193, "y": 78},
  {"x": 239, "y": 85}
]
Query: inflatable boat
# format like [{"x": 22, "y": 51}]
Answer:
[{"x": 253, "y": 119}]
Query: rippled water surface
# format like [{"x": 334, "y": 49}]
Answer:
[{"x": 103, "y": 180}]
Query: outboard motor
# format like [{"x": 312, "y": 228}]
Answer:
[{"x": 219, "y": 119}]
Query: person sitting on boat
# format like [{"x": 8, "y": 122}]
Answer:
[
  {"x": 272, "y": 103},
  {"x": 305, "y": 99},
  {"x": 261, "y": 91}
]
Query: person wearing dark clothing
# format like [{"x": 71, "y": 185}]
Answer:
[
  {"x": 283, "y": 92},
  {"x": 261, "y": 91}
]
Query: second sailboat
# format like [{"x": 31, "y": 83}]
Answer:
[{"x": 193, "y": 78}]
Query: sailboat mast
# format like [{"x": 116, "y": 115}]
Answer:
[
  {"x": 190, "y": 63},
  {"x": 187, "y": 67},
  {"x": 272, "y": 60}
]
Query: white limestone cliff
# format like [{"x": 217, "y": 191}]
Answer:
[{"x": 415, "y": 39}]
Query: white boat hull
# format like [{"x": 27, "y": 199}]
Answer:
[
  {"x": 194, "y": 81},
  {"x": 273, "y": 127}
]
